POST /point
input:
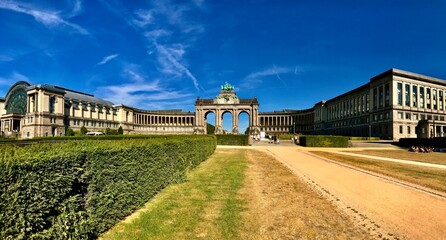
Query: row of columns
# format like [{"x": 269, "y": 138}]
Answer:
[
  {"x": 349, "y": 107},
  {"x": 163, "y": 120},
  {"x": 285, "y": 120},
  {"x": 91, "y": 111},
  {"x": 406, "y": 96}
]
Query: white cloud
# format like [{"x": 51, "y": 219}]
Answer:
[
  {"x": 157, "y": 25},
  {"x": 8, "y": 81},
  {"x": 142, "y": 94},
  {"x": 4, "y": 58},
  {"x": 47, "y": 18},
  {"x": 156, "y": 34},
  {"x": 257, "y": 78},
  {"x": 107, "y": 59},
  {"x": 143, "y": 18},
  {"x": 269, "y": 72},
  {"x": 169, "y": 58}
]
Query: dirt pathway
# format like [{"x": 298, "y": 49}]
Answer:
[{"x": 386, "y": 209}]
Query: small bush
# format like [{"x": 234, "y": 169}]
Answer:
[
  {"x": 69, "y": 132},
  {"x": 323, "y": 141}
]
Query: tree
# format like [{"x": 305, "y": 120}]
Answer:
[
  {"x": 247, "y": 131},
  {"x": 69, "y": 132},
  {"x": 210, "y": 128},
  {"x": 120, "y": 130},
  {"x": 84, "y": 130}
]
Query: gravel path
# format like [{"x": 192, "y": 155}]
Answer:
[{"x": 386, "y": 209}]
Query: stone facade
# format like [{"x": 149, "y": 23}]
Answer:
[{"x": 392, "y": 105}]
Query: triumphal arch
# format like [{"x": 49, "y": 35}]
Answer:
[{"x": 226, "y": 101}]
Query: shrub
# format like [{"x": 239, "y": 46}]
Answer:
[
  {"x": 229, "y": 139},
  {"x": 120, "y": 130},
  {"x": 69, "y": 132},
  {"x": 84, "y": 130},
  {"x": 323, "y": 141},
  {"x": 79, "y": 189},
  {"x": 364, "y": 138}
]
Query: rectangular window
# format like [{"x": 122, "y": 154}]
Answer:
[
  {"x": 434, "y": 97},
  {"x": 407, "y": 116},
  {"x": 407, "y": 95},
  {"x": 367, "y": 102},
  {"x": 380, "y": 100},
  {"x": 375, "y": 98},
  {"x": 408, "y": 129},
  {"x": 400, "y": 93},
  {"x": 401, "y": 129},
  {"x": 414, "y": 96},
  {"x": 387, "y": 94},
  {"x": 400, "y": 115},
  {"x": 421, "y": 97},
  {"x": 428, "y": 98},
  {"x": 52, "y": 103},
  {"x": 440, "y": 98}
]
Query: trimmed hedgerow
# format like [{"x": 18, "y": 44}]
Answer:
[
  {"x": 79, "y": 189},
  {"x": 229, "y": 139},
  {"x": 323, "y": 141}
]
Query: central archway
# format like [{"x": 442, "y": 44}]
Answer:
[{"x": 226, "y": 102}]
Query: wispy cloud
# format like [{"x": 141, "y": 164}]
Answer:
[
  {"x": 256, "y": 78},
  {"x": 47, "y": 18},
  {"x": 143, "y": 18},
  {"x": 4, "y": 58},
  {"x": 107, "y": 59},
  {"x": 169, "y": 58},
  {"x": 160, "y": 25},
  {"x": 9, "y": 80},
  {"x": 140, "y": 94}
]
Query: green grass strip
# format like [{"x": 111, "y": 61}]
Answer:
[{"x": 206, "y": 206}]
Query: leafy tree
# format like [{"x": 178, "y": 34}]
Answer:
[
  {"x": 69, "y": 132},
  {"x": 247, "y": 131},
  {"x": 210, "y": 128},
  {"x": 120, "y": 131},
  {"x": 84, "y": 130}
]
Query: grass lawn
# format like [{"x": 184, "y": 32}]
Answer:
[
  {"x": 238, "y": 194},
  {"x": 434, "y": 157},
  {"x": 424, "y": 176}
]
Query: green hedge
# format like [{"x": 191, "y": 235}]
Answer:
[
  {"x": 364, "y": 138},
  {"x": 229, "y": 139},
  {"x": 323, "y": 141},
  {"x": 79, "y": 189}
]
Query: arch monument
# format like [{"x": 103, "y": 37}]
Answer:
[{"x": 226, "y": 101}]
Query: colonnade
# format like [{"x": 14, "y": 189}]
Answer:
[
  {"x": 146, "y": 119},
  {"x": 287, "y": 120}
]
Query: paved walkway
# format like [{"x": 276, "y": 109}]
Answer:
[{"x": 385, "y": 208}]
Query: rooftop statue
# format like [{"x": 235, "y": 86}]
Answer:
[{"x": 227, "y": 87}]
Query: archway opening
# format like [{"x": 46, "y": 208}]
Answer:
[
  {"x": 209, "y": 118},
  {"x": 243, "y": 123},
  {"x": 227, "y": 122}
]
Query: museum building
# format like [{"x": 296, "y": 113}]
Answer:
[{"x": 392, "y": 105}]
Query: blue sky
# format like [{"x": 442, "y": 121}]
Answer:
[{"x": 163, "y": 54}]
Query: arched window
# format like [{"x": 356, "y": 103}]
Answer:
[{"x": 16, "y": 98}]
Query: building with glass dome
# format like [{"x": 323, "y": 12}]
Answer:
[{"x": 392, "y": 105}]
